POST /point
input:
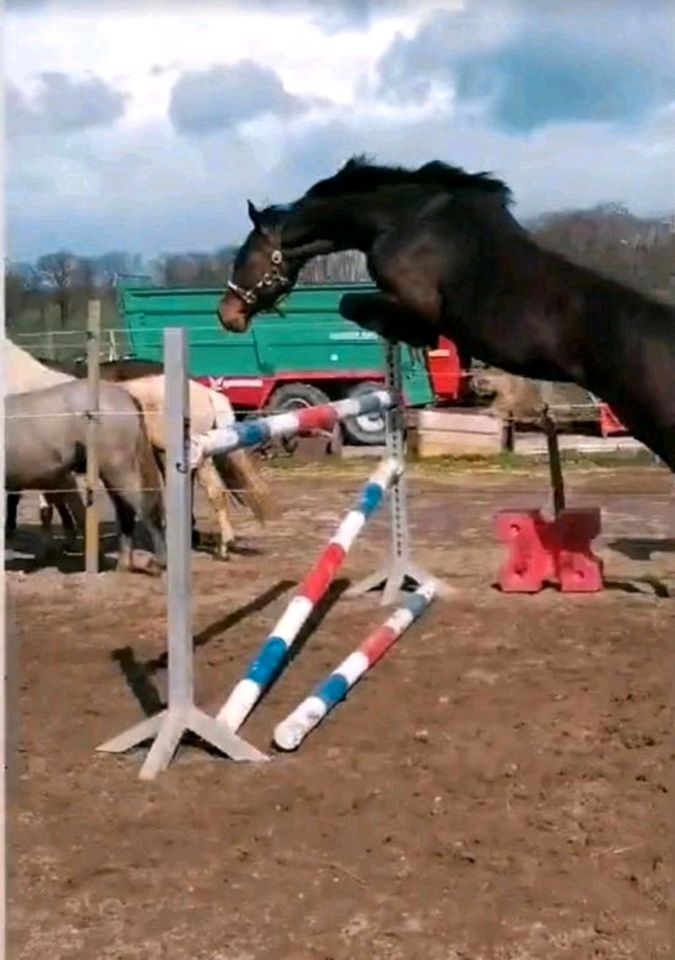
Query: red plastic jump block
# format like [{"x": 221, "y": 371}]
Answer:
[{"x": 549, "y": 551}]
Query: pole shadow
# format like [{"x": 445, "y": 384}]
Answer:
[
  {"x": 658, "y": 587},
  {"x": 138, "y": 674}
]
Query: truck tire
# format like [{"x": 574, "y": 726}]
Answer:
[
  {"x": 366, "y": 430},
  {"x": 291, "y": 396}
]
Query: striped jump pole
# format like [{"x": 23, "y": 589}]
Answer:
[
  {"x": 290, "y": 733},
  {"x": 253, "y": 433},
  {"x": 274, "y": 653}
]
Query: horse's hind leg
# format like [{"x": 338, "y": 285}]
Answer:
[
  {"x": 152, "y": 512},
  {"x": 126, "y": 520},
  {"x": 216, "y": 491},
  {"x": 132, "y": 502}
]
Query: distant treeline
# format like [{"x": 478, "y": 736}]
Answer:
[{"x": 51, "y": 294}]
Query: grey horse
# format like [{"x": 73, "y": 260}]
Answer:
[{"x": 45, "y": 438}]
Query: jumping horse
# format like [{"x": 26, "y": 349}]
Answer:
[{"x": 449, "y": 258}]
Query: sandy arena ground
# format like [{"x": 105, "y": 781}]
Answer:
[{"x": 498, "y": 787}]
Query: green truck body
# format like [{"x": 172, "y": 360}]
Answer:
[{"x": 311, "y": 344}]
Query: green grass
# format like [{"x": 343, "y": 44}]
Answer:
[{"x": 507, "y": 464}]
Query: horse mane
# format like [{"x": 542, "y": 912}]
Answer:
[{"x": 360, "y": 175}]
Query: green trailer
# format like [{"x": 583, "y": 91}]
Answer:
[{"x": 310, "y": 355}]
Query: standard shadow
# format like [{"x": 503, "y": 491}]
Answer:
[{"x": 642, "y": 548}]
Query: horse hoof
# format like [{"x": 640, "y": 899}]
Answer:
[
  {"x": 224, "y": 550},
  {"x": 151, "y": 568}
]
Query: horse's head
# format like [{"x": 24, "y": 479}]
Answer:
[{"x": 261, "y": 273}]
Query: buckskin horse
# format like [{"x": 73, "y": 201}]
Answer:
[
  {"x": 232, "y": 474},
  {"x": 45, "y": 445},
  {"x": 450, "y": 258}
]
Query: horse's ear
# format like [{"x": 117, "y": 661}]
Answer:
[{"x": 254, "y": 214}]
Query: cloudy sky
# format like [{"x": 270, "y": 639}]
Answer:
[{"x": 145, "y": 125}]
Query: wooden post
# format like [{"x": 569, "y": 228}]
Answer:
[{"x": 92, "y": 481}]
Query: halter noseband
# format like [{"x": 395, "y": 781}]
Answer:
[{"x": 268, "y": 279}]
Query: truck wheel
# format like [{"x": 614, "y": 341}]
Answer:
[
  {"x": 290, "y": 397},
  {"x": 368, "y": 429}
]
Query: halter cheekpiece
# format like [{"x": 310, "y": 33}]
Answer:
[{"x": 269, "y": 278}]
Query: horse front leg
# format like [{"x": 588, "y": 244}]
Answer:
[
  {"x": 69, "y": 506},
  {"x": 46, "y": 508},
  {"x": 71, "y": 511},
  {"x": 389, "y": 317}
]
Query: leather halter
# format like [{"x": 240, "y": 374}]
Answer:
[{"x": 271, "y": 277}]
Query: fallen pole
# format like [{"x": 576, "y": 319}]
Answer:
[
  {"x": 289, "y": 734},
  {"x": 274, "y": 653}
]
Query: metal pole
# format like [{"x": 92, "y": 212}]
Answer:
[
  {"x": 7, "y": 678},
  {"x": 395, "y": 441},
  {"x": 92, "y": 480},
  {"x": 178, "y": 511},
  {"x": 401, "y": 573}
]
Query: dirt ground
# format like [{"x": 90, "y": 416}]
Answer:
[{"x": 498, "y": 787}]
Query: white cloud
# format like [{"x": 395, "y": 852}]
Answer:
[{"x": 139, "y": 185}]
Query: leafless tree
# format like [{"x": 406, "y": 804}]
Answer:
[{"x": 69, "y": 277}]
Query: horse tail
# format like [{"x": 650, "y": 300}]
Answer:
[
  {"x": 244, "y": 483},
  {"x": 149, "y": 471},
  {"x": 237, "y": 470}
]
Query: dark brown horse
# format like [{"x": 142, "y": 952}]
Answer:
[{"x": 450, "y": 258}]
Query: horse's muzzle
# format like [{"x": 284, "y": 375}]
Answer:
[{"x": 233, "y": 314}]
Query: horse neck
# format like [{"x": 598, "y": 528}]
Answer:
[
  {"x": 333, "y": 224},
  {"x": 25, "y": 373}
]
